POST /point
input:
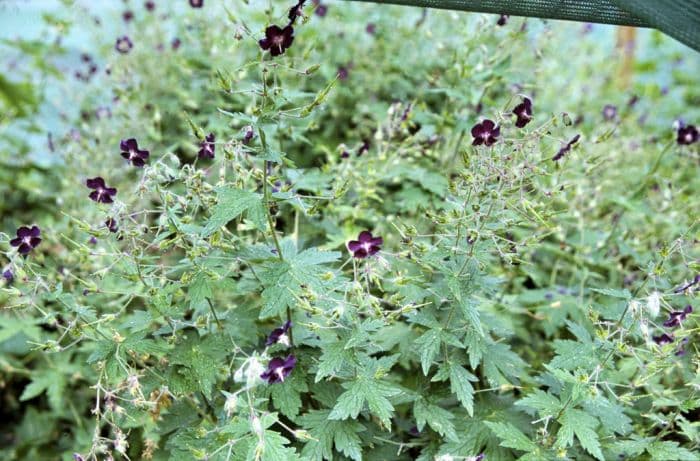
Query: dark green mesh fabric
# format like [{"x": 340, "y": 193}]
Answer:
[{"x": 679, "y": 19}]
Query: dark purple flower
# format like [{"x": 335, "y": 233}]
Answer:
[
  {"x": 85, "y": 58},
  {"x": 675, "y": 318},
  {"x": 406, "y": 112},
  {"x": 27, "y": 239},
  {"x": 371, "y": 28},
  {"x": 277, "y": 40},
  {"x": 503, "y": 20},
  {"x": 365, "y": 245},
  {"x": 524, "y": 113},
  {"x": 112, "y": 225},
  {"x": 101, "y": 192},
  {"x": 692, "y": 283},
  {"x": 123, "y": 44},
  {"x": 77, "y": 457},
  {"x": 364, "y": 148},
  {"x": 321, "y": 9},
  {"x": 343, "y": 73},
  {"x": 131, "y": 152},
  {"x": 175, "y": 44},
  {"x": 344, "y": 154},
  {"x": 150, "y": 5},
  {"x": 687, "y": 135},
  {"x": 566, "y": 148},
  {"x": 207, "y": 147},
  {"x": 278, "y": 369},
  {"x": 128, "y": 15},
  {"x": 93, "y": 240},
  {"x": 249, "y": 135},
  {"x": 296, "y": 11},
  {"x": 681, "y": 349},
  {"x": 8, "y": 276},
  {"x": 664, "y": 338},
  {"x": 633, "y": 100},
  {"x": 609, "y": 112},
  {"x": 196, "y": 3},
  {"x": 485, "y": 133},
  {"x": 279, "y": 335}
]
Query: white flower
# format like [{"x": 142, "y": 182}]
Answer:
[
  {"x": 249, "y": 372},
  {"x": 120, "y": 444},
  {"x": 133, "y": 385},
  {"x": 644, "y": 329},
  {"x": 284, "y": 340},
  {"x": 634, "y": 307},
  {"x": 256, "y": 425},
  {"x": 654, "y": 304},
  {"x": 230, "y": 404},
  {"x": 255, "y": 369}
]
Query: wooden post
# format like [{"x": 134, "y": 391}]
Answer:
[{"x": 625, "y": 44}]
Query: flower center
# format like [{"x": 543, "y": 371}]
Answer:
[
  {"x": 280, "y": 373},
  {"x": 278, "y": 40}
]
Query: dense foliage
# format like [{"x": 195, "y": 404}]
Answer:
[{"x": 345, "y": 231}]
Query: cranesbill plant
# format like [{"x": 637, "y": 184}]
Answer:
[{"x": 313, "y": 263}]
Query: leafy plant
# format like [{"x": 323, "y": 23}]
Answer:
[{"x": 329, "y": 232}]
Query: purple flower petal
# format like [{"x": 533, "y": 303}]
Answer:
[{"x": 365, "y": 245}]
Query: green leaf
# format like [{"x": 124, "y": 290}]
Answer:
[
  {"x": 573, "y": 354},
  {"x": 326, "y": 433},
  {"x": 583, "y": 425},
  {"x": 318, "y": 100},
  {"x": 11, "y": 325},
  {"x": 511, "y": 437},
  {"x": 346, "y": 439},
  {"x": 544, "y": 403},
  {"x": 374, "y": 393},
  {"x": 428, "y": 346},
  {"x": 462, "y": 388},
  {"x": 52, "y": 382},
  {"x": 467, "y": 305},
  {"x": 274, "y": 448},
  {"x": 232, "y": 203},
  {"x": 286, "y": 396},
  {"x": 200, "y": 359},
  {"x": 670, "y": 451},
  {"x": 283, "y": 280},
  {"x": 614, "y": 293},
  {"x": 437, "y": 418},
  {"x": 199, "y": 291},
  {"x": 335, "y": 355},
  {"x": 501, "y": 365}
]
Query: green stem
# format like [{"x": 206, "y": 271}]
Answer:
[
  {"x": 289, "y": 319},
  {"x": 266, "y": 197},
  {"x": 213, "y": 312}
]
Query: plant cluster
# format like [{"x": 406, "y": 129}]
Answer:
[{"x": 365, "y": 235}]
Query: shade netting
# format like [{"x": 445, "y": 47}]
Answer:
[{"x": 679, "y": 19}]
